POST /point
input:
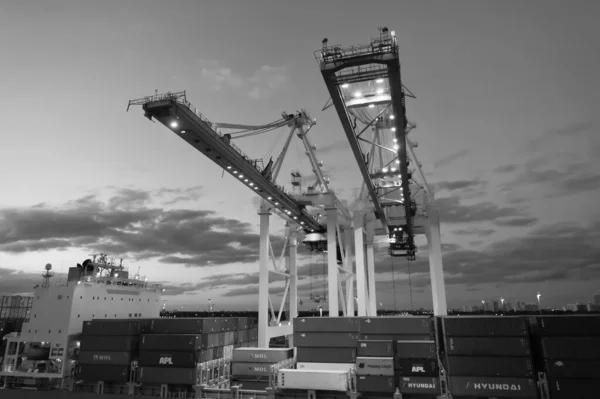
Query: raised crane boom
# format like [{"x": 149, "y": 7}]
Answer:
[{"x": 182, "y": 118}]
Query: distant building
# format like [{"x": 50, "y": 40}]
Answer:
[
  {"x": 495, "y": 306},
  {"x": 596, "y": 299}
]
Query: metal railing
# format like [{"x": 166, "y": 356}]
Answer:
[{"x": 378, "y": 46}]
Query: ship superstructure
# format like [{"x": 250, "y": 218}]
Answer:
[{"x": 96, "y": 289}]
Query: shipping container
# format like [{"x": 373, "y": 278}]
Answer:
[
  {"x": 375, "y": 348},
  {"x": 477, "y": 326},
  {"x": 262, "y": 355},
  {"x": 242, "y": 323},
  {"x": 571, "y": 348},
  {"x": 573, "y": 389},
  {"x": 179, "y": 325},
  {"x": 397, "y": 337},
  {"x": 416, "y": 325},
  {"x": 375, "y": 366},
  {"x": 161, "y": 375},
  {"x": 416, "y": 350},
  {"x": 250, "y": 385},
  {"x": 493, "y": 386},
  {"x": 325, "y": 340},
  {"x": 107, "y": 358},
  {"x": 375, "y": 384},
  {"x": 326, "y": 366},
  {"x": 588, "y": 326},
  {"x": 97, "y": 372},
  {"x": 326, "y": 324},
  {"x": 122, "y": 327},
  {"x": 250, "y": 369},
  {"x": 169, "y": 359},
  {"x": 326, "y": 355},
  {"x": 490, "y": 366},
  {"x": 502, "y": 346},
  {"x": 568, "y": 368},
  {"x": 417, "y": 367},
  {"x": 317, "y": 380},
  {"x": 419, "y": 385},
  {"x": 109, "y": 343},
  {"x": 178, "y": 342}
]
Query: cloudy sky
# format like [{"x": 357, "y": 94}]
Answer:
[{"x": 507, "y": 111}]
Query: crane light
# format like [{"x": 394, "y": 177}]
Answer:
[
  {"x": 345, "y": 86},
  {"x": 379, "y": 91},
  {"x": 393, "y": 129},
  {"x": 173, "y": 124},
  {"x": 396, "y": 147},
  {"x": 251, "y": 184},
  {"x": 183, "y": 132},
  {"x": 371, "y": 105},
  {"x": 379, "y": 81},
  {"x": 392, "y": 117},
  {"x": 241, "y": 176},
  {"x": 358, "y": 94},
  {"x": 269, "y": 198}
]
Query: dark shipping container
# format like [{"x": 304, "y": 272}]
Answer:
[
  {"x": 112, "y": 327},
  {"x": 326, "y": 324},
  {"x": 178, "y": 342},
  {"x": 107, "y": 358},
  {"x": 250, "y": 369},
  {"x": 493, "y": 386},
  {"x": 375, "y": 366},
  {"x": 161, "y": 375},
  {"x": 179, "y": 325},
  {"x": 169, "y": 359},
  {"x": 571, "y": 348},
  {"x": 397, "y": 337},
  {"x": 417, "y": 367},
  {"x": 416, "y": 350},
  {"x": 96, "y": 372},
  {"x": 504, "y": 346},
  {"x": 573, "y": 389},
  {"x": 326, "y": 355},
  {"x": 109, "y": 343},
  {"x": 375, "y": 348},
  {"x": 250, "y": 385},
  {"x": 419, "y": 385},
  {"x": 485, "y": 326},
  {"x": 375, "y": 384},
  {"x": 325, "y": 340},
  {"x": 567, "y": 368},
  {"x": 490, "y": 366},
  {"x": 260, "y": 355},
  {"x": 568, "y": 326},
  {"x": 396, "y": 325}
]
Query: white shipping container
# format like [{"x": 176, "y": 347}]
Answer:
[
  {"x": 326, "y": 366},
  {"x": 323, "y": 380}
]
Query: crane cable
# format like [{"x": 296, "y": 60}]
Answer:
[{"x": 410, "y": 284}]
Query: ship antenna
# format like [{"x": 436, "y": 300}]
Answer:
[{"x": 47, "y": 275}]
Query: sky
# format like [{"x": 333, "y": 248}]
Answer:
[{"x": 507, "y": 115}]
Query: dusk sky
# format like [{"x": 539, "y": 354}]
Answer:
[{"x": 507, "y": 114}]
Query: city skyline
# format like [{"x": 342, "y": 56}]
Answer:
[{"x": 506, "y": 120}]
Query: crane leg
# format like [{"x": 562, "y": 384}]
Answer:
[
  {"x": 361, "y": 283},
  {"x": 332, "y": 270},
  {"x": 436, "y": 269},
  {"x": 372, "y": 306},
  {"x": 293, "y": 249},
  {"x": 263, "y": 283}
]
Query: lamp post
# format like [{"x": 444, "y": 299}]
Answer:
[
  {"x": 538, "y": 299},
  {"x": 483, "y": 305},
  {"x": 502, "y": 301}
]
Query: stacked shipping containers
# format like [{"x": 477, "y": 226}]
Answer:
[
  {"x": 489, "y": 356},
  {"x": 570, "y": 355},
  {"x": 107, "y": 349},
  {"x": 251, "y": 367}
]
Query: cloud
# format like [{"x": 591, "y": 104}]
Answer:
[
  {"x": 451, "y": 158},
  {"x": 332, "y": 147},
  {"x": 574, "y": 129},
  {"x": 126, "y": 225},
  {"x": 452, "y": 210},
  {"x": 475, "y": 231},
  {"x": 18, "y": 282},
  {"x": 507, "y": 168},
  {"x": 458, "y": 185},
  {"x": 517, "y": 221},
  {"x": 260, "y": 85}
]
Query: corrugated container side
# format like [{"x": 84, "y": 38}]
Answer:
[
  {"x": 178, "y": 342},
  {"x": 308, "y": 379},
  {"x": 396, "y": 325},
  {"x": 252, "y": 369},
  {"x": 417, "y": 367},
  {"x": 159, "y": 375},
  {"x": 490, "y": 366},
  {"x": 107, "y": 358},
  {"x": 168, "y": 359},
  {"x": 250, "y": 385},
  {"x": 178, "y": 325},
  {"x": 326, "y": 355},
  {"x": 493, "y": 386},
  {"x": 569, "y": 326},
  {"x": 112, "y": 327},
  {"x": 375, "y": 384},
  {"x": 375, "y": 348},
  {"x": 503, "y": 346},
  {"x": 326, "y": 366},
  {"x": 261, "y": 355},
  {"x": 419, "y": 385},
  {"x": 109, "y": 343},
  {"x": 325, "y": 340},
  {"x": 567, "y": 368},
  {"x": 96, "y": 372},
  {"x": 571, "y": 348},
  {"x": 397, "y": 337},
  {"x": 416, "y": 350},
  {"x": 375, "y": 366},
  {"x": 326, "y": 324},
  {"x": 485, "y": 326},
  {"x": 573, "y": 389}
]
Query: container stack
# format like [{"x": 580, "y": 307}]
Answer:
[
  {"x": 246, "y": 334},
  {"x": 488, "y": 357},
  {"x": 570, "y": 349},
  {"x": 375, "y": 366},
  {"x": 325, "y": 343},
  {"x": 251, "y": 367},
  {"x": 107, "y": 349}
]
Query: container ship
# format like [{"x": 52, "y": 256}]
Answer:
[{"x": 100, "y": 333}]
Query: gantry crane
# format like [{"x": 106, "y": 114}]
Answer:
[{"x": 182, "y": 118}]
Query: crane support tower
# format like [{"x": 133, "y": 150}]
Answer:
[
  {"x": 174, "y": 111},
  {"x": 366, "y": 90}
]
